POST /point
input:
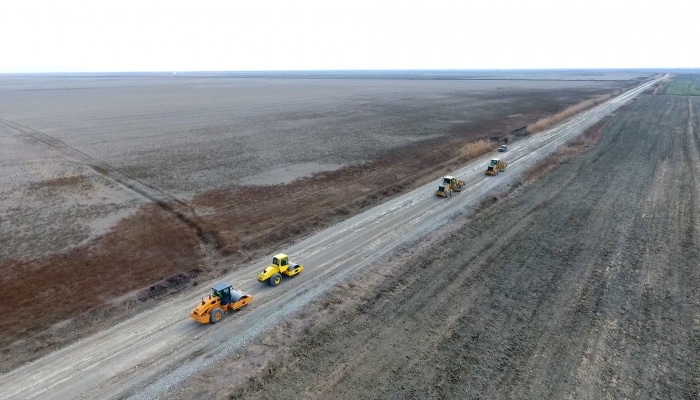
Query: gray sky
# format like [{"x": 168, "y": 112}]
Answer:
[{"x": 175, "y": 35}]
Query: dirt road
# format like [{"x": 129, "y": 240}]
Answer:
[{"x": 156, "y": 351}]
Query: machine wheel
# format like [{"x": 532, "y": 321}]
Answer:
[
  {"x": 216, "y": 315},
  {"x": 275, "y": 279}
]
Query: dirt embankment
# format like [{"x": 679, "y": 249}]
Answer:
[
  {"x": 248, "y": 219},
  {"x": 583, "y": 284},
  {"x": 77, "y": 287},
  {"x": 104, "y": 280}
]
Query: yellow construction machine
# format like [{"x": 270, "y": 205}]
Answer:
[
  {"x": 449, "y": 184},
  {"x": 496, "y": 166},
  {"x": 444, "y": 191},
  {"x": 223, "y": 298},
  {"x": 456, "y": 184},
  {"x": 280, "y": 265}
]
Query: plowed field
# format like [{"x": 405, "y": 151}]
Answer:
[{"x": 583, "y": 283}]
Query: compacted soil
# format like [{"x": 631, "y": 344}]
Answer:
[{"x": 582, "y": 283}]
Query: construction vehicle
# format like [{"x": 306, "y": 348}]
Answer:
[
  {"x": 455, "y": 184},
  {"x": 449, "y": 184},
  {"x": 444, "y": 191},
  {"x": 223, "y": 298},
  {"x": 280, "y": 265},
  {"x": 495, "y": 166}
]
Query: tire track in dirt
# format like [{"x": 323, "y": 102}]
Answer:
[{"x": 179, "y": 208}]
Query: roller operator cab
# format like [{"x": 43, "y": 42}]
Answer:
[
  {"x": 280, "y": 266},
  {"x": 223, "y": 298}
]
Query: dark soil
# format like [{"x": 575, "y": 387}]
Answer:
[
  {"x": 36, "y": 294},
  {"x": 584, "y": 284}
]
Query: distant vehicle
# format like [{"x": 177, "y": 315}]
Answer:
[{"x": 503, "y": 148}]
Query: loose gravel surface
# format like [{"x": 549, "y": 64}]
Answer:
[{"x": 583, "y": 284}]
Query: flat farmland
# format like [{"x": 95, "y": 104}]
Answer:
[
  {"x": 116, "y": 191},
  {"x": 187, "y": 135}
]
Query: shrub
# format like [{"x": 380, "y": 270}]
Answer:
[{"x": 548, "y": 122}]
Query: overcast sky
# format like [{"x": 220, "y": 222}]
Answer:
[{"x": 175, "y": 35}]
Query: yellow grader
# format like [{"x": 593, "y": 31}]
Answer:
[
  {"x": 449, "y": 184},
  {"x": 496, "y": 166}
]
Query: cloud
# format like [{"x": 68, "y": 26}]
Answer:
[{"x": 78, "y": 35}]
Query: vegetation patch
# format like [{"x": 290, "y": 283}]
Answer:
[
  {"x": 77, "y": 182},
  {"x": 37, "y": 294},
  {"x": 307, "y": 205},
  {"x": 684, "y": 85},
  {"x": 477, "y": 148},
  {"x": 548, "y": 122}
]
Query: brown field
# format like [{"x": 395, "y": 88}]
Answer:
[{"x": 245, "y": 164}]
